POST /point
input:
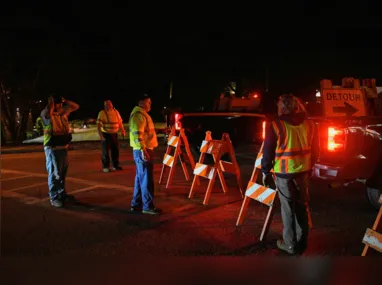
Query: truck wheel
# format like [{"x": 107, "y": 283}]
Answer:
[{"x": 373, "y": 195}]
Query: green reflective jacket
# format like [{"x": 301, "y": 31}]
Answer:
[{"x": 142, "y": 130}]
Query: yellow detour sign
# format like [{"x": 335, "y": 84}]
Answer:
[{"x": 343, "y": 102}]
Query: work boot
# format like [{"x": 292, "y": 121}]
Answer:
[
  {"x": 154, "y": 211},
  {"x": 106, "y": 170},
  {"x": 287, "y": 248},
  {"x": 135, "y": 209},
  {"x": 57, "y": 203},
  {"x": 69, "y": 198}
]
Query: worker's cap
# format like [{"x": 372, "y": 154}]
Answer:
[
  {"x": 143, "y": 97},
  {"x": 57, "y": 99}
]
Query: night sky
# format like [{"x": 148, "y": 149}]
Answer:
[{"x": 92, "y": 52}]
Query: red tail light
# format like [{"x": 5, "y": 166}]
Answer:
[
  {"x": 178, "y": 123},
  {"x": 336, "y": 139},
  {"x": 264, "y": 125}
]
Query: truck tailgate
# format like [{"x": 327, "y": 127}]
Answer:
[{"x": 245, "y": 128}]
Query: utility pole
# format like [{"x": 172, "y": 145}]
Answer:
[
  {"x": 266, "y": 78},
  {"x": 170, "y": 90}
]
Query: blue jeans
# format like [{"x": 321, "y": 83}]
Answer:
[
  {"x": 57, "y": 167},
  {"x": 144, "y": 181}
]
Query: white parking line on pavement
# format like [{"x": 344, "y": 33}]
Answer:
[
  {"x": 23, "y": 172},
  {"x": 73, "y": 179},
  {"x": 26, "y": 199},
  {"x": 13, "y": 178},
  {"x": 26, "y": 187},
  {"x": 42, "y": 154},
  {"x": 71, "y": 193},
  {"x": 33, "y": 200}
]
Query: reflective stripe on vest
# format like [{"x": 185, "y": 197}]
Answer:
[
  {"x": 109, "y": 126},
  {"x": 293, "y": 151},
  {"x": 146, "y": 138}
]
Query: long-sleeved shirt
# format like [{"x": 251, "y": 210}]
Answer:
[{"x": 142, "y": 130}]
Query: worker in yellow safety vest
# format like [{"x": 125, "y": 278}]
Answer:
[
  {"x": 57, "y": 137},
  {"x": 109, "y": 122},
  {"x": 143, "y": 140},
  {"x": 288, "y": 150}
]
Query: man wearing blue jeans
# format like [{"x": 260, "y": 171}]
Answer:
[
  {"x": 56, "y": 142},
  {"x": 143, "y": 140}
]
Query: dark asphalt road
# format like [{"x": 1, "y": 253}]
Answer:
[{"x": 102, "y": 226}]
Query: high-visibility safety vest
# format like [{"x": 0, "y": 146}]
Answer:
[
  {"x": 142, "y": 130},
  {"x": 57, "y": 133},
  {"x": 293, "y": 150},
  {"x": 109, "y": 121}
]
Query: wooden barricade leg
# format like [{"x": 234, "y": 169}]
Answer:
[
  {"x": 243, "y": 211},
  {"x": 189, "y": 154},
  {"x": 220, "y": 173},
  {"x": 184, "y": 167},
  {"x": 374, "y": 228},
  {"x": 168, "y": 151},
  {"x": 222, "y": 181},
  {"x": 235, "y": 164},
  {"x": 245, "y": 205},
  {"x": 172, "y": 169},
  {"x": 209, "y": 189},
  {"x": 194, "y": 181},
  {"x": 268, "y": 219}
]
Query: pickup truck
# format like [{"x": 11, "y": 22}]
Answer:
[{"x": 350, "y": 151}]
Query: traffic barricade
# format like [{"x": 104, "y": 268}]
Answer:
[
  {"x": 216, "y": 148},
  {"x": 265, "y": 195},
  {"x": 176, "y": 142},
  {"x": 260, "y": 193},
  {"x": 372, "y": 238}
]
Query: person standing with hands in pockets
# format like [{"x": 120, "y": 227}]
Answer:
[
  {"x": 143, "y": 140},
  {"x": 109, "y": 122}
]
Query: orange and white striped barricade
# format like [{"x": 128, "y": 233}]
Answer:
[
  {"x": 262, "y": 194},
  {"x": 216, "y": 148},
  {"x": 169, "y": 160},
  {"x": 372, "y": 238}
]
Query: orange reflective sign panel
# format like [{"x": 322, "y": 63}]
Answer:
[{"x": 343, "y": 102}]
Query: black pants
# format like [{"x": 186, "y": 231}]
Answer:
[{"x": 110, "y": 142}]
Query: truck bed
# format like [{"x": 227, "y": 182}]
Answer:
[{"x": 243, "y": 128}]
